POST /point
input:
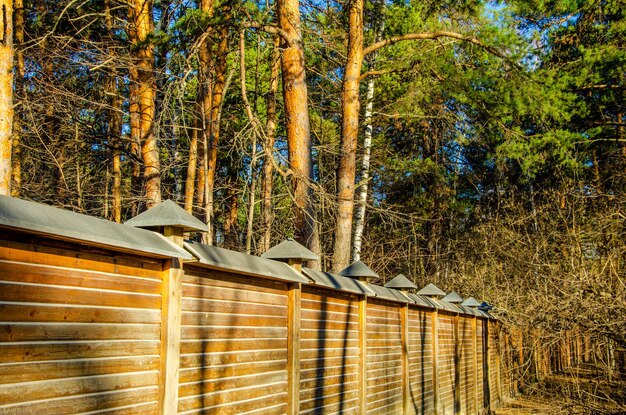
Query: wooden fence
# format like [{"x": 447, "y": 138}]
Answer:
[{"x": 95, "y": 330}]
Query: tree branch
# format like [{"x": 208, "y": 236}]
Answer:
[
  {"x": 379, "y": 72},
  {"x": 273, "y": 30},
  {"x": 432, "y": 35}
]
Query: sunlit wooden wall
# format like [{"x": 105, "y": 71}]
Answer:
[{"x": 90, "y": 331}]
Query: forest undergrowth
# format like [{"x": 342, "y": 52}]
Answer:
[{"x": 585, "y": 390}]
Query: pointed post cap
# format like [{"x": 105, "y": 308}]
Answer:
[
  {"x": 167, "y": 214},
  {"x": 431, "y": 290},
  {"x": 359, "y": 271},
  {"x": 471, "y": 302},
  {"x": 400, "y": 282},
  {"x": 290, "y": 249},
  {"x": 485, "y": 306},
  {"x": 453, "y": 297}
]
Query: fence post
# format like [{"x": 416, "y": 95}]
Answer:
[
  {"x": 457, "y": 366},
  {"x": 498, "y": 374},
  {"x": 171, "y": 297},
  {"x": 363, "y": 355},
  {"x": 404, "y": 324},
  {"x": 293, "y": 347},
  {"x": 435, "y": 357},
  {"x": 475, "y": 361}
]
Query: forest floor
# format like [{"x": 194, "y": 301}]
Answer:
[{"x": 578, "y": 392}]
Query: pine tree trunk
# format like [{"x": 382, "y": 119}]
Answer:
[
  {"x": 267, "y": 215},
  {"x": 18, "y": 15},
  {"x": 192, "y": 166},
  {"x": 298, "y": 125},
  {"x": 211, "y": 90},
  {"x": 114, "y": 126},
  {"x": 6, "y": 96},
  {"x": 145, "y": 86},
  {"x": 349, "y": 133}
]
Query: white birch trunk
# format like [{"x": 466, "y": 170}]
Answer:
[{"x": 365, "y": 173}]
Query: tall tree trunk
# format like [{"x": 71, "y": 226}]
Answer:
[
  {"x": 365, "y": 173},
  {"x": 267, "y": 215},
  {"x": 359, "y": 226},
  {"x": 349, "y": 133},
  {"x": 232, "y": 210},
  {"x": 135, "y": 144},
  {"x": 298, "y": 126},
  {"x": 212, "y": 88},
  {"x": 192, "y": 166},
  {"x": 142, "y": 52},
  {"x": 114, "y": 125},
  {"x": 18, "y": 15},
  {"x": 6, "y": 95}
]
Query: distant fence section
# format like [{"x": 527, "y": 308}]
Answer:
[{"x": 103, "y": 318}]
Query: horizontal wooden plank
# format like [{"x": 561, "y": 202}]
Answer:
[
  {"x": 222, "y": 279},
  {"x": 84, "y": 403},
  {"x": 390, "y": 337},
  {"x": 225, "y": 383},
  {"x": 232, "y": 397},
  {"x": 327, "y": 371},
  {"x": 45, "y": 255},
  {"x": 329, "y": 307},
  {"x": 13, "y": 312},
  {"x": 33, "y": 352},
  {"x": 383, "y": 330},
  {"x": 188, "y": 361},
  {"x": 232, "y": 307},
  {"x": 385, "y": 405},
  {"x": 344, "y": 407},
  {"x": 132, "y": 409},
  {"x": 330, "y": 312},
  {"x": 238, "y": 345},
  {"x": 49, "y": 389},
  {"x": 194, "y": 375},
  {"x": 276, "y": 405},
  {"x": 234, "y": 294},
  {"x": 308, "y": 353},
  {"x": 384, "y": 375},
  {"x": 350, "y": 362},
  {"x": 329, "y": 343},
  {"x": 383, "y": 385},
  {"x": 35, "y": 371},
  {"x": 69, "y": 277},
  {"x": 325, "y": 398},
  {"x": 13, "y": 292},
  {"x": 17, "y": 332},
  {"x": 326, "y": 382},
  {"x": 216, "y": 332},
  {"x": 327, "y": 334},
  {"x": 321, "y": 291},
  {"x": 327, "y": 324},
  {"x": 219, "y": 319}
]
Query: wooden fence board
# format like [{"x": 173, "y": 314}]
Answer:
[
  {"x": 228, "y": 323},
  {"x": 78, "y": 331},
  {"x": 329, "y": 351},
  {"x": 385, "y": 391}
]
